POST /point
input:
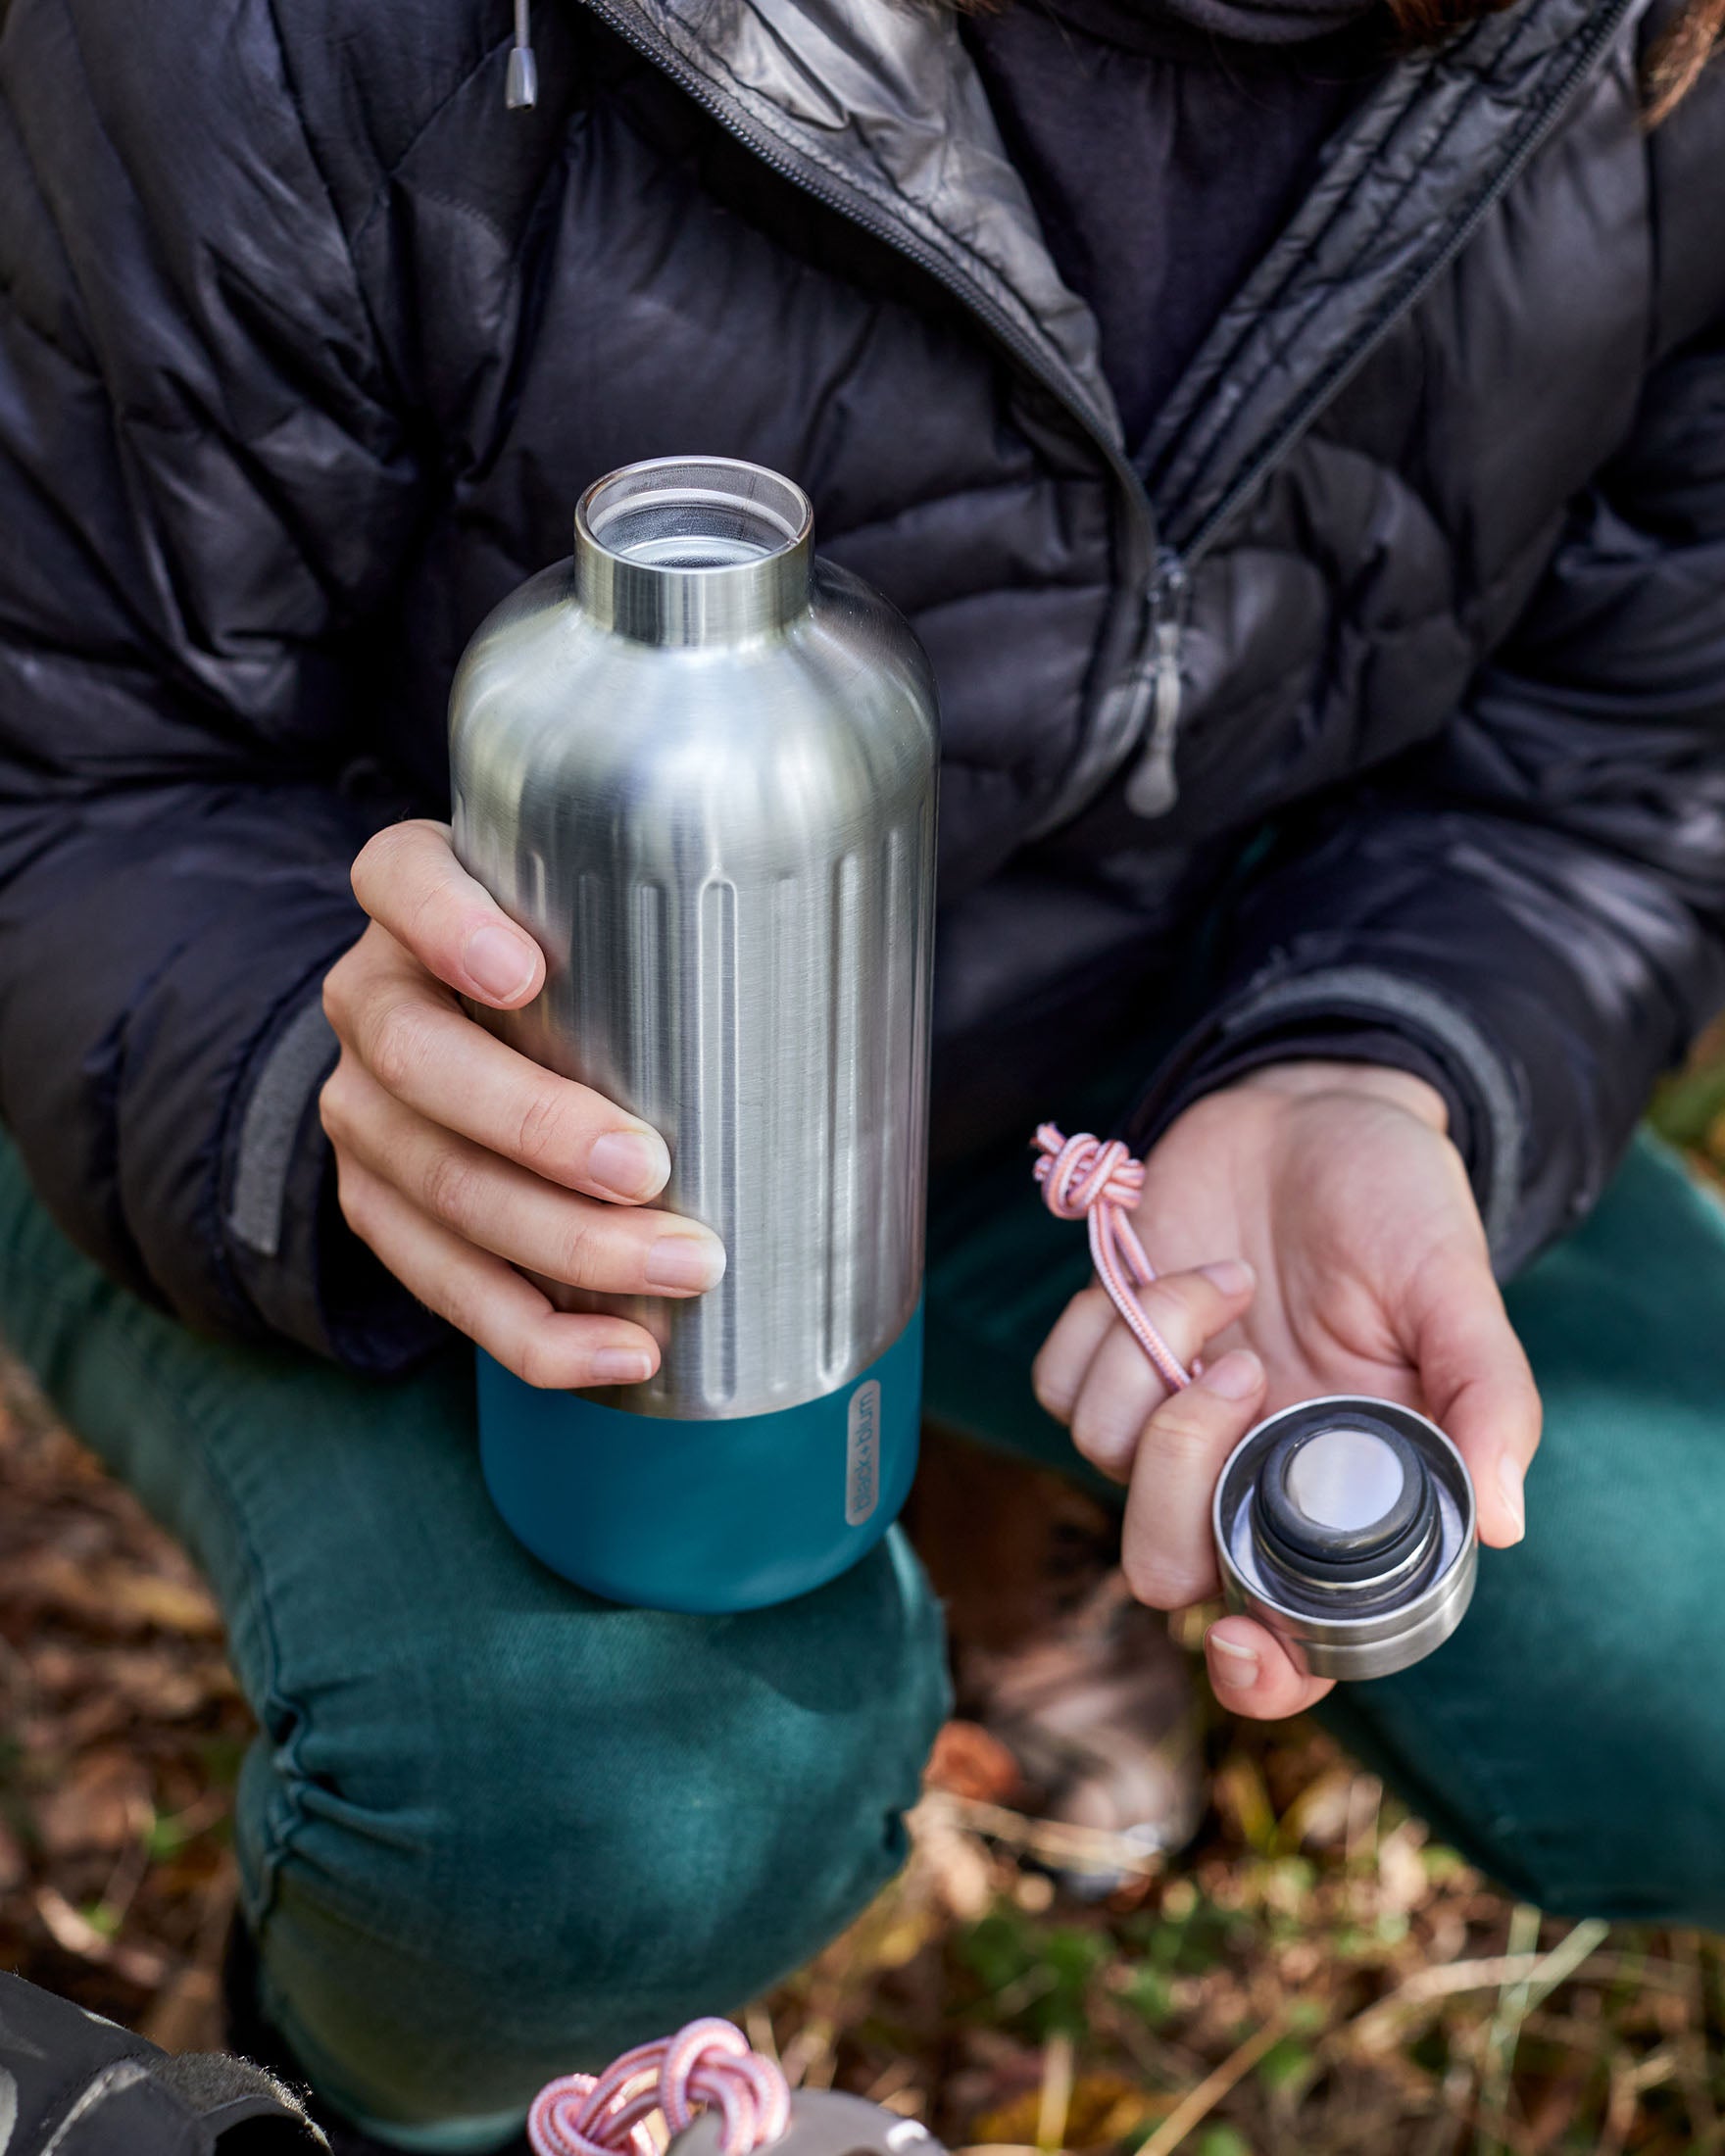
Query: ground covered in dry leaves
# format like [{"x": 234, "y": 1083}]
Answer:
[{"x": 1316, "y": 1977}]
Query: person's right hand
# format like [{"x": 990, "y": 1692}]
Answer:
[{"x": 459, "y": 1160}]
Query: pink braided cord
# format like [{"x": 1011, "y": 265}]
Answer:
[
  {"x": 710, "y": 2062},
  {"x": 1084, "y": 1178}
]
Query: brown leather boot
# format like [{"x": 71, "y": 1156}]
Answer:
[{"x": 1052, "y": 1656}]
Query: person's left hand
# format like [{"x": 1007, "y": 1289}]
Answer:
[{"x": 1365, "y": 1270}]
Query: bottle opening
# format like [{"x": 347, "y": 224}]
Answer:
[
  {"x": 695, "y": 513},
  {"x": 693, "y": 550}
]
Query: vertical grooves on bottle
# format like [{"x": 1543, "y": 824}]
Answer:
[
  {"x": 649, "y": 970},
  {"x": 718, "y": 1111},
  {"x": 643, "y": 929},
  {"x": 844, "y": 1076},
  {"x": 789, "y": 975},
  {"x": 597, "y": 995},
  {"x": 889, "y": 1073},
  {"x": 917, "y": 1022}
]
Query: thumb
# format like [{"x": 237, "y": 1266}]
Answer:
[{"x": 1477, "y": 1384}]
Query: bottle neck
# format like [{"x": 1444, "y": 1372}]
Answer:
[{"x": 692, "y": 551}]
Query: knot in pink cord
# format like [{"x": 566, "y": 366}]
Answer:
[
  {"x": 708, "y": 2063},
  {"x": 1084, "y": 1178},
  {"x": 1077, "y": 1173}
]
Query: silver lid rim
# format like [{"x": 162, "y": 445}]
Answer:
[{"x": 1379, "y": 1643}]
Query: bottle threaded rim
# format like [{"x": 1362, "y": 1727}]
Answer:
[{"x": 693, "y": 550}]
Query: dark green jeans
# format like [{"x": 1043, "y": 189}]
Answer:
[{"x": 492, "y": 1829}]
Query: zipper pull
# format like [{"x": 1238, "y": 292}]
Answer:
[
  {"x": 521, "y": 89},
  {"x": 1153, "y": 789}
]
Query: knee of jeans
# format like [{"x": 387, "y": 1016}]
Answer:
[
  {"x": 1556, "y": 1746},
  {"x": 520, "y": 1861},
  {"x": 1620, "y": 1821}
]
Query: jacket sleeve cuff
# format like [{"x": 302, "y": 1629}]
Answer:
[
  {"x": 308, "y": 1276},
  {"x": 1362, "y": 1014}
]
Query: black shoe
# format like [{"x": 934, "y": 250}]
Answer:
[
  {"x": 254, "y": 2038},
  {"x": 73, "y": 2081}
]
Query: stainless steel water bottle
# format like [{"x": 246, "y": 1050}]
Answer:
[
  {"x": 1347, "y": 1525},
  {"x": 698, "y": 762}
]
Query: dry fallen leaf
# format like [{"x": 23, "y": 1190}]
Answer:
[
  {"x": 186, "y": 2015},
  {"x": 1402, "y": 1879},
  {"x": 103, "y": 1803},
  {"x": 109, "y": 1598},
  {"x": 960, "y": 1872},
  {"x": 162, "y": 1604},
  {"x": 971, "y": 1761},
  {"x": 1103, "y": 2107},
  {"x": 73, "y": 1932}
]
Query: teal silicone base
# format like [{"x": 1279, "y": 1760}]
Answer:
[{"x": 704, "y": 1516}]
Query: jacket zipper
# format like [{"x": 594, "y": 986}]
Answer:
[
  {"x": 1153, "y": 789},
  {"x": 1335, "y": 379},
  {"x": 1150, "y": 691},
  {"x": 1141, "y": 516}
]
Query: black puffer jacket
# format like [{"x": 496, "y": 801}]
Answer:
[{"x": 1403, "y": 681}]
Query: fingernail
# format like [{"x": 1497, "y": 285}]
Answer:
[
  {"x": 497, "y": 961},
  {"x": 1231, "y": 1276},
  {"x": 621, "y": 1365},
  {"x": 685, "y": 1261},
  {"x": 1235, "y": 1666},
  {"x": 1509, "y": 1489},
  {"x": 629, "y": 1163},
  {"x": 1235, "y": 1377}
]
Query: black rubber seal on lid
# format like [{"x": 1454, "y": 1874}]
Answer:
[
  {"x": 1302, "y": 1551},
  {"x": 1311, "y": 1538}
]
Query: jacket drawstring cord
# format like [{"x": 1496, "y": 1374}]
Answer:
[{"x": 522, "y": 87}]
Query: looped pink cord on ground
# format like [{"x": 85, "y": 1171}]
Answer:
[
  {"x": 708, "y": 2063},
  {"x": 1084, "y": 1178}
]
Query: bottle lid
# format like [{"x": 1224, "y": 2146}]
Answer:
[{"x": 1348, "y": 1526}]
